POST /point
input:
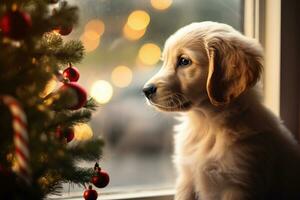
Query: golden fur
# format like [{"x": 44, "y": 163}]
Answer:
[{"x": 228, "y": 145}]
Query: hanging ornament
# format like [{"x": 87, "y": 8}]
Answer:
[
  {"x": 65, "y": 133},
  {"x": 53, "y": 1},
  {"x": 60, "y": 77},
  {"x": 90, "y": 194},
  {"x": 19, "y": 124},
  {"x": 75, "y": 95},
  {"x": 101, "y": 178},
  {"x": 72, "y": 73},
  {"x": 64, "y": 30},
  {"x": 15, "y": 24}
]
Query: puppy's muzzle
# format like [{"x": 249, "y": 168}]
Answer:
[{"x": 149, "y": 90}]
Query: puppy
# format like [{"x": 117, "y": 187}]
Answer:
[{"x": 228, "y": 145}]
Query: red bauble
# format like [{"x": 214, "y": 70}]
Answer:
[
  {"x": 64, "y": 30},
  {"x": 65, "y": 133},
  {"x": 90, "y": 194},
  {"x": 72, "y": 73},
  {"x": 101, "y": 179},
  {"x": 78, "y": 95},
  {"x": 53, "y": 1},
  {"x": 15, "y": 24}
]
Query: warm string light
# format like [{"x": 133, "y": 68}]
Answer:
[
  {"x": 82, "y": 132},
  {"x": 161, "y": 4},
  {"x": 91, "y": 36},
  {"x": 138, "y": 20},
  {"x": 132, "y": 34},
  {"x": 121, "y": 76},
  {"x": 89, "y": 43},
  {"x": 149, "y": 54},
  {"x": 102, "y": 91},
  {"x": 136, "y": 25}
]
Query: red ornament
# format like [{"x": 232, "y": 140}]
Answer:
[
  {"x": 101, "y": 179},
  {"x": 65, "y": 133},
  {"x": 64, "y": 30},
  {"x": 15, "y": 24},
  {"x": 72, "y": 73},
  {"x": 53, "y": 1},
  {"x": 77, "y": 94},
  {"x": 90, "y": 194}
]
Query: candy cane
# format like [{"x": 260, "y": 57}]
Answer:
[{"x": 19, "y": 124}]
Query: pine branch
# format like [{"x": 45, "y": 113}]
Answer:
[
  {"x": 78, "y": 175},
  {"x": 70, "y": 118},
  {"x": 91, "y": 104},
  {"x": 71, "y": 52},
  {"x": 90, "y": 150},
  {"x": 25, "y": 69}
]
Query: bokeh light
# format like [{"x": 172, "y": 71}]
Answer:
[
  {"x": 121, "y": 76},
  {"x": 90, "y": 40},
  {"x": 149, "y": 54},
  {"x": 95, "y": 25},
  {"x": 138, "y": 20},
  {"x": 132, "y": 34},
  {"x": 161, "y": 4},
  {"x": 91, "y": 35},
  {"x": 102, "y": 91},
  {"x": 82, "y": 132}
]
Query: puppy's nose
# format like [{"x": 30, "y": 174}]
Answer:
[{"x": 149, "y": 90}]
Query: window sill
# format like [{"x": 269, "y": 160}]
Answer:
[{"x": 138, "y": 194}]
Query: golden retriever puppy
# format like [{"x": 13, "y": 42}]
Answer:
[{"x": 228, "y": 145}]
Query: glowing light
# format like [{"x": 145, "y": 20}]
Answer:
[
  {"x": 132, "y": 34},
  {"x": 121, "y": 76},
  {"x": 161, "y": 4},
  {"x": 95, "y": 25},
  {"x": 149, "y": 54},
  {"x": 83, "y": 132},
  {"x": 50, "y": 86},
  {"x": 90, "y": 40},
  {"x": 102, "y": 91},
  {"x": 138, "y": 20},
  {"x": 91, "y": 35}
]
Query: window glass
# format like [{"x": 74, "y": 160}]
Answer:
[{"x": 123, "y": 41}]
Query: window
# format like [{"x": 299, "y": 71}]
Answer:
[{"x": 123, "y": 41}]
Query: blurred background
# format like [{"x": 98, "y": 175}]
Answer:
[{"x": 123, "y": 42}]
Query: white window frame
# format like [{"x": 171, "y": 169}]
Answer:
[{"x": 262, "y": 22}]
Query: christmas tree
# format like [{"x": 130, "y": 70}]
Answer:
[{"x": 37, "y": 122}]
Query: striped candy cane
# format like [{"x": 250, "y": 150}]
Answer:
[{"x": 19, "y": 124}]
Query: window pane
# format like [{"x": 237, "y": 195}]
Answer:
[{"x": 123, "y": 41}]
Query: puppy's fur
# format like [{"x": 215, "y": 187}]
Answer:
[{"x": 228, "y": 145}]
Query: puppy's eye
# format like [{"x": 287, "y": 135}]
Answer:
[{"x": 182, "y": 62}]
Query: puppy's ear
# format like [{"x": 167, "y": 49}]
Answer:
[{"x": 234, "y": 66}]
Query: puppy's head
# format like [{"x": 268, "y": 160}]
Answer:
[{"x": 203, "y": 62}]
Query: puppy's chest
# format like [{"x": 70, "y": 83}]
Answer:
[
  {"x": 199, "y": 144},
  {"x": 201, "y": 151}
]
